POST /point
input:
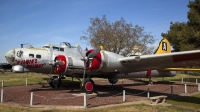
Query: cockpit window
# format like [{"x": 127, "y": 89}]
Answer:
[
  {"x": 31, "y": 55},
  {"x": 38, "y": 56},
  {"x": 61, "y": 49},
  {"x": 56, "y": 48},
  {"x": 46, "y": 47}
]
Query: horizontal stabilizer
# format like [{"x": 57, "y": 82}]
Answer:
[{"x": 181, "y": 69}]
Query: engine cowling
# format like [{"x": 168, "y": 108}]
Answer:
[
  {"x": 93, "y": 63},
  {"x": 60, "y": 69}
]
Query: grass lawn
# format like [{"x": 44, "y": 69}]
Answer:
[
  {"x": 178, "y": 77},
  {"x": 15, "y": 79}
]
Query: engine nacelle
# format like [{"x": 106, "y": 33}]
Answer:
[
  {"x": 104, "y": 61},
  {"x": 60, "y": 69}
]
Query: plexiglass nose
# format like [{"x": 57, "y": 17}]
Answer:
[{"x": 10, "y": 56}]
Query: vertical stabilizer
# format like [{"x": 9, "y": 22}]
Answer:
[{"x": 164, "y": 47}]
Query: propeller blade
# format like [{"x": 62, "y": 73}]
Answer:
[
  {"x": 51, "y": 54},
  {"x": 83, "y": 76},
  {"x": 96, "y": 51},
  {"x": 80, "y": 50},
  {"x": 92, "y": 54},
  {"x": 59, "y": 63}
]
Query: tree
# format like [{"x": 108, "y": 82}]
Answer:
[
  {"x": 186, "y": 35},
  {"x": 118, "y": 37},
  {"x": 179, "y": 36}
]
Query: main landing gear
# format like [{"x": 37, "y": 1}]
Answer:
[
  {"x": 87, "y": 85},
  {"x": 54, "y": 81},
  {"x": 150, "y": 81}
]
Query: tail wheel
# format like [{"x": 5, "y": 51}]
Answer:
[{"x": 87, "y": 86}]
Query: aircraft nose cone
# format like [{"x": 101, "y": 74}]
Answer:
[{"x": 10, "y": 56}]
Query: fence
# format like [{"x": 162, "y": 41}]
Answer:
[
  {"x": 36, "y": 97},
  {"x": 194, "y": 80},
  {"x": 84, "y": 96}
]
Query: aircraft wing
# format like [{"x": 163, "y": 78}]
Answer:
[{"x": 161, "y": 61}]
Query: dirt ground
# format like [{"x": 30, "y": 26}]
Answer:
[{"x": 69, "y": 94}]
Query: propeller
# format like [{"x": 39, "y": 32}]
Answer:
[
  {"x": 80, "y": 50},
  {"x": 94, "y": 53},
  {"x": 54, "y": 61},
  {"x": 58, "y": 65},
  {"x": 91, "y": 55},
  {"x": 86, "y": 58}
]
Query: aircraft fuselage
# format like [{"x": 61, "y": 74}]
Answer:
[{"x": 39, "y": 60}]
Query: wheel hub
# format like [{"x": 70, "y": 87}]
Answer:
[{"x": 88, "y": 86}]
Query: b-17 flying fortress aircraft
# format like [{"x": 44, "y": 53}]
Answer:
[{"x": 74, "y": 62}]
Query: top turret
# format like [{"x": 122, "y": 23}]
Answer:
[{"x": 65, "y": 44}]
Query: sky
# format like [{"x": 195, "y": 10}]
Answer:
[{"x": 42, "y": 22}]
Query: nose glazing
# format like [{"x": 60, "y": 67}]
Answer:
[{"x": 10, "y": 56}]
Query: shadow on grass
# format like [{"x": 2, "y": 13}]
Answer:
[{"x": 185, "y": 100}]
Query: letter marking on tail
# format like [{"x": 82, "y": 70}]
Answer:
[{"x": 164, "y": 46}]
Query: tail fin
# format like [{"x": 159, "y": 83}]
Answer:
[{"x": 164, "y": 47}]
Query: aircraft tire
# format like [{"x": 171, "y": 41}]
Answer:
[
  {"x": 113, "y": 80},
  {"x": 87, "y": 86},
  {"x": 56, "y": 82},
  {"x": 50, "y": 82}
]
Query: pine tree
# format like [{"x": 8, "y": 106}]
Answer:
[{"x": 186, "y": 35}]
